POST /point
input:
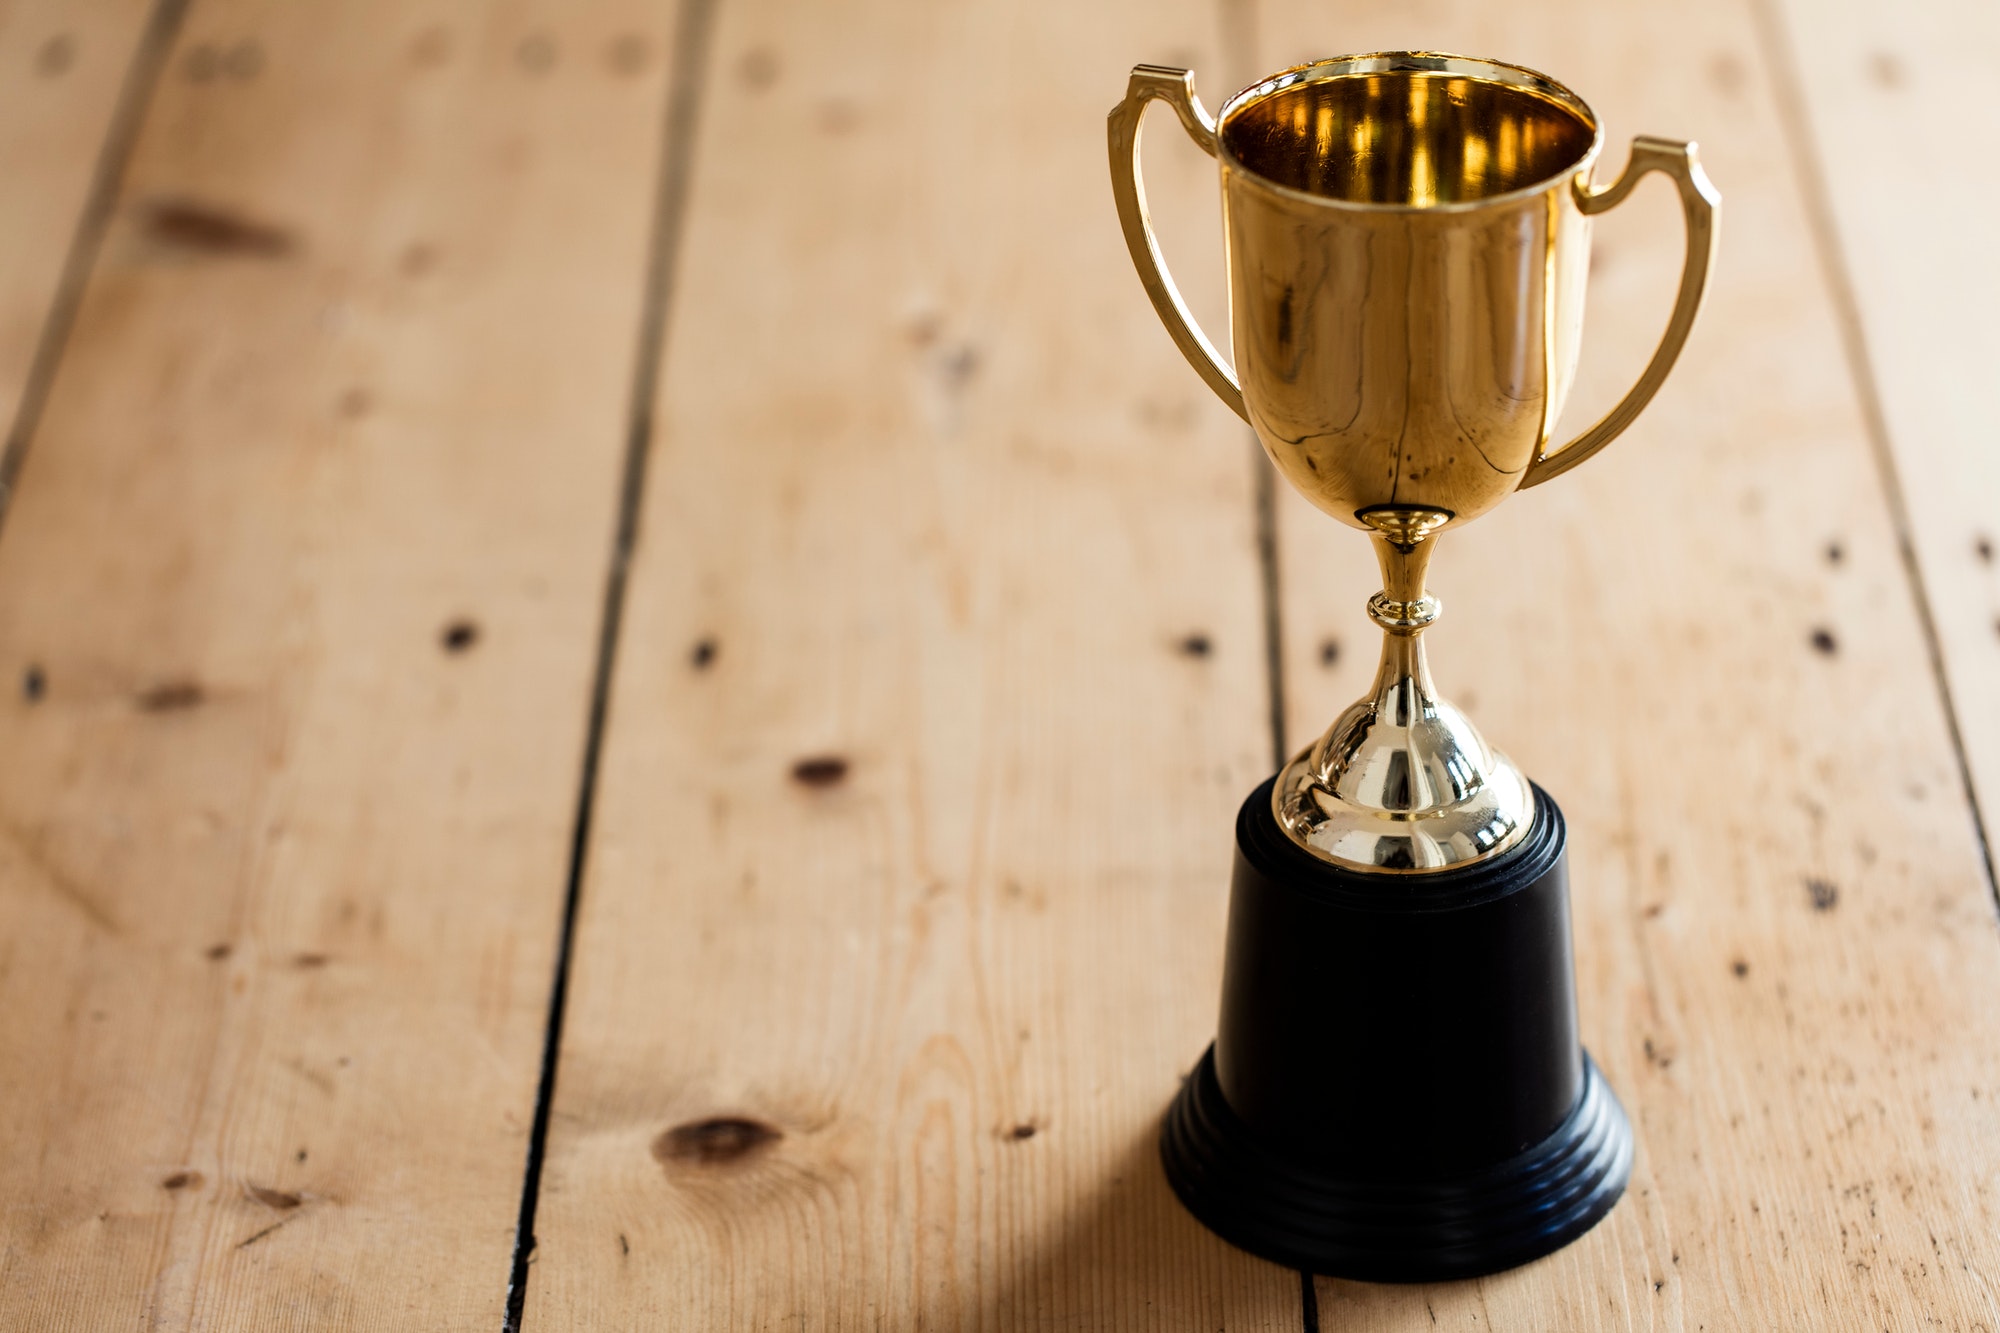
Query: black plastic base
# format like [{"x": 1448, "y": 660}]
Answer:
[
  {"x": 1383, "y": 1231},
  {"x": 1397, "y": 1093}
]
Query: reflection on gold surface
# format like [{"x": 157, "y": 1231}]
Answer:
[
  {"x": 1371, "y": 138},
  {"x": 1408, "y": 241}
]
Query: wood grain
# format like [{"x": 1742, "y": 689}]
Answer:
[
  {"x": 1893, "y": 142},
  {"x": 942, "y": 680},
  {"x": 1704, "y": 645},
  {"x": 62, "y": 66},
  {"x": 298, "y": 615}
]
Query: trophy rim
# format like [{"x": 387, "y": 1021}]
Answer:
[{"x": 1528, "y": 80}]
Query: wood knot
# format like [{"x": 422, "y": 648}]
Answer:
[
  {"x": 718, "y": 1141},
  {"x": 170, "y": 695},
  {"x": 820, "y": 770},
  {"x": 182, "y": 1180},
  {"x": 282, "y": 1200},
  {"x": 459, "y": 635},
  {"x": 203, "y": 229}
]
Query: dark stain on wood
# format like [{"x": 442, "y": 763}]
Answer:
[
  {"x": 1982, "y": 546},
  {"x": 34, "y": 684},
  {"x": 282, "y": 1200},
  {"x": 820, "y": 770},
  {"x": 201, "y": 64},
  {"x": 1823, "y": 641},
  {"x": 170, "y": 696},
  {"x": 960, "y": 364},
  {"x": 536, "y": 53},
  {"x": 702, "y": 656},
  {"x": 1726, "y": 74},
  {"x": 1655, "y": 1056},
  {"x": 1823, "y": 894},
  {"x": 432, "y": 47},
  {"x": 1197, "y": 645},
  {"x": 717, "y": 1141},
  {"x": 1740, "y": 968},
  {"x": 759, "y": 68},
  {"x": 202, "y": 229},
  {"x": 837, "y": 116},
  {"x": 243, "y": 61},
  {"x": 1835, "y": 553},
  {"x": 1025, "y": 1130},
  {"x": 459, "y": 635},
  {"x": 56, "y": 55},
  {"x": 182, "y": 1180},
  {"x": 216, "y": 953},
  {"x": 306, "y": 962},
  {"x": 627, "y": 54},
  {"x": 624, "y": 1246},
  {"x": 1329, "y": 651}
]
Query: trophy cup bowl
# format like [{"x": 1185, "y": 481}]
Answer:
[{"x": 1397, "y": 1090}]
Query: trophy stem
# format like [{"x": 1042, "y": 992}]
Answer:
[
  {"x": 1403, "y": 610},
  {"x": 1402, "y": 781}
]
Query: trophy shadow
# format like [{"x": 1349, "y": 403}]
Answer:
[{"x": 1129, "y": 1255}]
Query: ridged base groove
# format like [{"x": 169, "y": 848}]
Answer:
[{"x": 1482, "y": 1222}]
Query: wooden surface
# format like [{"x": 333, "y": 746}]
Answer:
[
  {"x": 283, "y": 870},
  {"x": 63, "y": 67},
  {"x": 717, "y": 457}
]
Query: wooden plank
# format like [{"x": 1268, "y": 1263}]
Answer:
[
  {"x": 1703, "y": 644},
  {"x": 299, "y": 605},
  {"x": 942, "y": 679},
  {"x": 62, "y": 66},
  {"x": 1893, "y": 139}
]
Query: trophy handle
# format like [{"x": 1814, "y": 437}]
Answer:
[
  {"x": 1699, "y": 202},
  {"x": 1175, "y": 87}
]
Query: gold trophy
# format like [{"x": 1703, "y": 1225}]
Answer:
[{"x": 1397, "y": 1090}]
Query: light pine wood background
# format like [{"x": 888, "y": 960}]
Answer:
[{"x": 626, "y": 658}]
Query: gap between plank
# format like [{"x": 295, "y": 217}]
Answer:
[
  {"x": 684, "y": 88},
  {"x": 1267, "y": 570},
  {"x": 107, "y": 180},
  {"x": 1239, "y": 43},
  {"x": 1796, "y": 120}
]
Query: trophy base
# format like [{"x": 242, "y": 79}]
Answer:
[
  {"x": 1477, "y": 1223},
  {"x": 1397, "y": 1092}
]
